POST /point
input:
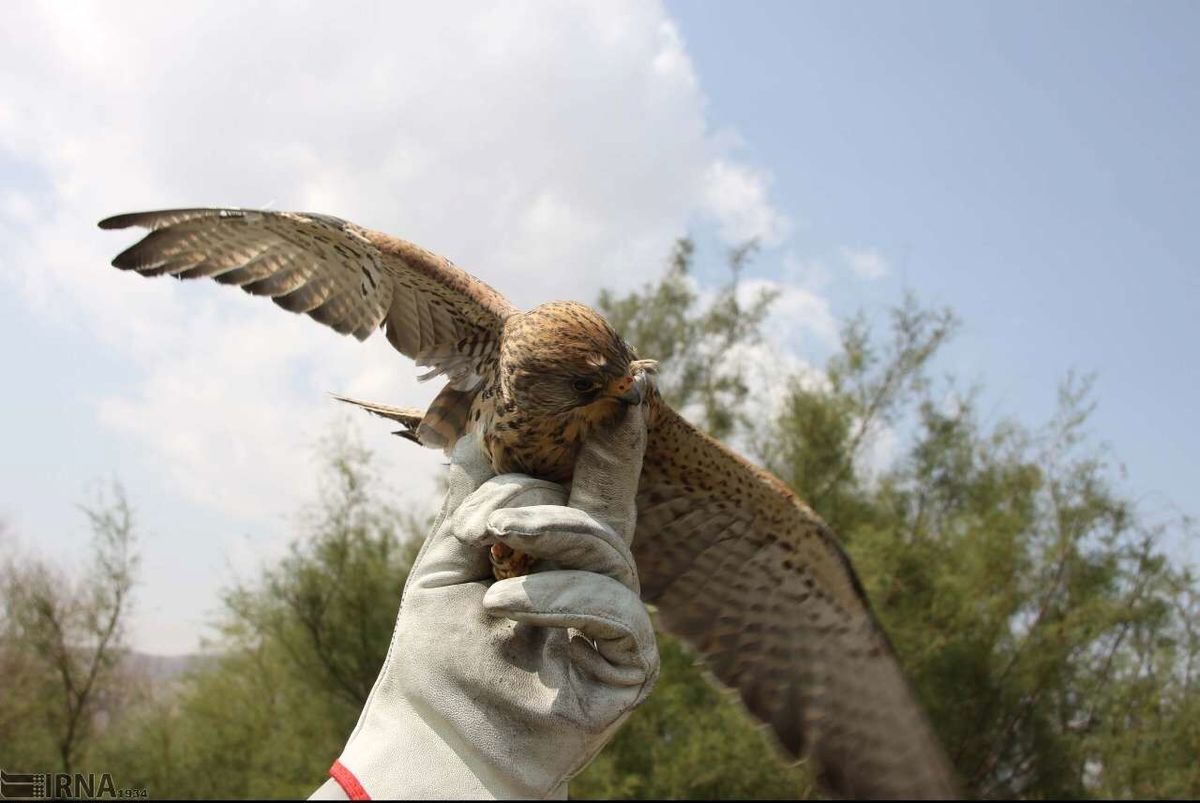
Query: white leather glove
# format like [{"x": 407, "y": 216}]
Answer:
[{"x": 502, "y": 689}]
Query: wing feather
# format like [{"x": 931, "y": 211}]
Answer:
[
  {"x": 349, "y": 278},
  {"x": 754, "y": 581}
]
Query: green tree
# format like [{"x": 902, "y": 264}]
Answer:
[
  {"x": 297, "y": 652},
  {"x": 62, "y": 641}
]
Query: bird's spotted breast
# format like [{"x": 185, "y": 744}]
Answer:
[{"x": 543, "y": 447}]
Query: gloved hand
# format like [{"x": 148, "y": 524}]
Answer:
[{"x": 501, "y": 689}]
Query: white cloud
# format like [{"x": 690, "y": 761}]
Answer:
[
  {"x": 550, "y": 148},
  {"x": 797, "y": 313},
  {"x": 770, "y": 366},
  {"x": 866, "y": 263},
  {"x": 879, "y": 452},
  {"x": 737, "y": 197}
]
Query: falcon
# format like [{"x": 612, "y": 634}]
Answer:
[{"x": 733, "y": 562}]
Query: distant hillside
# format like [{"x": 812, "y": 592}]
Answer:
[{"x": 166, "y": 668}]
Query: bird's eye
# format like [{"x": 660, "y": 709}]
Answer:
[{"x": 584, "y": 385}]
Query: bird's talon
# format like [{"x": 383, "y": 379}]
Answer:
[{"x": 507, "y": 562}]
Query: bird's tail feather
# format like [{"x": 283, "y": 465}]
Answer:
[
  {"x": 439, "y": 427},
  {"x": 408, "y": 417}
]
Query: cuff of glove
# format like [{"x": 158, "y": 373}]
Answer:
[
  {"x": 347, "y": 780},
  {"x": 404, "y": 756}
]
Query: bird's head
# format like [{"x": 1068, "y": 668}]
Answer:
[{"x": 563, "y": 357}]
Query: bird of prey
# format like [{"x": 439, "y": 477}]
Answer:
[{"x": 735, "y": 564}]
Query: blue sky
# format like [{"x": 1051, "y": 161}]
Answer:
[{"x": 1032, "y": 166}]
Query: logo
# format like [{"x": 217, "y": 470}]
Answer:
[
  {"x": 59, "y": 785},
  {"x": 17, "y": 785}
]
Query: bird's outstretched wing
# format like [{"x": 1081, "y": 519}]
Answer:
[
  {"x": 347, "y": 277},
  {"x": 756, "y": 583}
]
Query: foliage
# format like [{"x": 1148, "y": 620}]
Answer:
[
  {"x": 299, "y": 650},
  {"x": 61, "y": 641}
]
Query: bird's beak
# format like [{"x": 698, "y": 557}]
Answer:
[{"x": 629, "y": 389}]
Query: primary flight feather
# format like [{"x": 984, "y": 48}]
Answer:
[{"x": 736, "y": 565}]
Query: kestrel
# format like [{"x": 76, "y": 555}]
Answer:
[{"x": 735, "y": 564}]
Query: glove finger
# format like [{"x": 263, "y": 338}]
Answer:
[
  {"x": 469, "y": 469},
  {"x": 588, "y": 660},
  {"x": 470, "y": 521},
  {"x": 602, "y": 609},
  {"x": 572, "y": 538},
  {"x": 607, "y": 471},
  {"x": 454, "y": 555}
]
